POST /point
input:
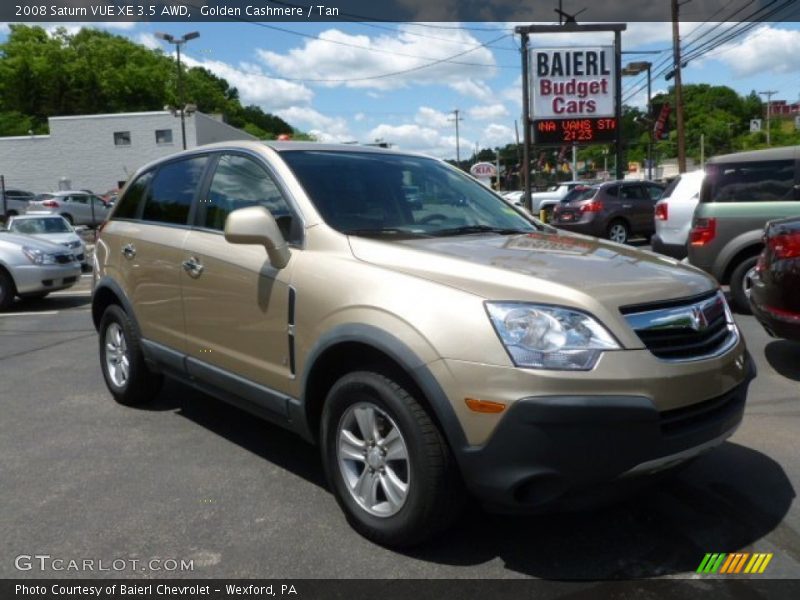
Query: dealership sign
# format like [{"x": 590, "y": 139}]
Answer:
[{"x": 568, "y": 83}]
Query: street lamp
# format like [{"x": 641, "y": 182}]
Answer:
[
  {"x": 635, "y": 68},
  {"x": 178, "y": 42}
]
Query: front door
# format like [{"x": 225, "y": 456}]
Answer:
[{"x": 236, "y": 304}]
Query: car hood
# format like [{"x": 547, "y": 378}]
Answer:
[
  {"x": 57, "y": 238},
  {"x": 547, "y": 267},
  {"x": 20, "y": 239}
]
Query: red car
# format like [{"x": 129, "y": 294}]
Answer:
[{"x": 775, "y": 291}]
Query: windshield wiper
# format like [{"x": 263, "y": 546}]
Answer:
[
  {"x": 368, "y": 231},
  {"x": 467, "y": 229}
]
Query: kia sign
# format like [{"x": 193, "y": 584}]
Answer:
[
  {"x": 570, "y": 83},
  {"x": 482, "y": 170}
]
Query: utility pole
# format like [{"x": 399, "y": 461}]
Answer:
[
  {"x": 676, "y": 54},
  {"x": 458, "y": 141},
  {"x": 769, "y": 94}
]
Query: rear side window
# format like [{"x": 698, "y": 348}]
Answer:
[
  {"x": 671, "y": 187},
  {"x": 766, "y": 181},
  {"x": 172, "y": 191},
  {"x": 128, "y": 205}
]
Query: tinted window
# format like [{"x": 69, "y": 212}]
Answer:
[
  {"x": 172, "y": 191},
  {"x": 632, "y": 192},
  {"x": 163, "y": 136},
  {"x": 671, "y": 187},
  {"x": 612, "y": 190},
  {"x": 128, "y": 205},
  {"x": 749, "y": 182},
  {"x": 654, "y": 191},
  {"x": 78, "y": 199},
  {"x": 122, "y": 138},
  {"x": 240, "y": 182},
  {"x": 579, "y": 193},
  {"x": 364, "y": 193}
]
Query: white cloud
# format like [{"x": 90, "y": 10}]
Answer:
[
  {"x": 254, "y": 88},
  {"x": 474, "y": 88},
  {"x": 488, "y": 112},
  {"x": 429, "y": 117},
  {"x": 766, "y": 49},
  {"x": 323, "y": 127},
  {"x": 496, "y": 135},
  {"x": 416, "y": 138},
  {"x": 4, "y": 29},
  {"x": 148, "y": 40},
  {"x": 350, "y": 58}
]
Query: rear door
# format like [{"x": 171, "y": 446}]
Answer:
[
  {"x": 637, "y": 206},
  {"x": 235, "y": 302},
  {"x": 149, "y": 247}
]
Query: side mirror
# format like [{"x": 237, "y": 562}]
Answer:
[{"x": 256, "y": 225}]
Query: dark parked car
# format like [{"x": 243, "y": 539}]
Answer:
[
  {"x": 775, "y": 294},
  {"x": 616, "y": 210}
]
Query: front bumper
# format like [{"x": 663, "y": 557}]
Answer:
[
  {"x": 31, "y": 279},
  {"x": 549, "y": 450}
]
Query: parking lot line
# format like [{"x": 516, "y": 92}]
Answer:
[
  {"x": 30, "y": 313},
  {"x": 85, "y": 293}
]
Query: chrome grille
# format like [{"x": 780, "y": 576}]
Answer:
[{"x": 690, "y": 329}]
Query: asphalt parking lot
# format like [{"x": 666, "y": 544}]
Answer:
[{"x": 191, "y": 478}]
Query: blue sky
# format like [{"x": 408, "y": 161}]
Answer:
[{"x": 277, "y": 71}]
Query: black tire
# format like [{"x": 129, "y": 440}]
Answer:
[
  {"x": 7, "y": 290},
  {"x": 739, "y": 286},
  {"x": 69, "y": 218},
  {"x": 621, "y": 226},
  {"x": 141, "y": 385},
  {"x": 434, "y": 495}
]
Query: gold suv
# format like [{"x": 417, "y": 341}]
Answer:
[{"x": 433, "y": 340}]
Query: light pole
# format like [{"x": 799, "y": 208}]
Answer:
[
  {"x": 178, "y": 42},
  {"x": 635, "y": 68},
  {"x": 456, "y": 118},
  {"x": 769, "y": 94}
]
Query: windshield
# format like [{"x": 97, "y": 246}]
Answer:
[
  {"x": 369, "y": 193},
  {"x": 43, "y": 225}
]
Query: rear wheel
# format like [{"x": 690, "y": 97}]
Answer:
[
  {"x": 7, "y": 290},
  {"x": 121, "y": 359},
  {"x": 741, "y": 283},
  {"x": 387, "y": 463},
  {"x": 618, "y": 231}
]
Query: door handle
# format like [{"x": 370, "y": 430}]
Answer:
[
  {"x": 129, "y": 251},
  {"x": 627, "y": 205},
  {"x": 192, "y": 266}
]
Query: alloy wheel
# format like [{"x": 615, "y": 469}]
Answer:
[
  {"x": 117, "y": 359},
  {"x": 373, "y": 459}
]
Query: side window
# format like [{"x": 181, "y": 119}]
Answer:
[
  {"x": 612, "y": 190},
  {"x": 172, "y": 191},
  {"x": 128, "y": 205},
  {"x": 654, "y": 191},
  {"x": 634, "y": 192},
  {"x": 240, "y": 182},
  {"x": 764, "y": 181},
  {"x": 78, "y": 199}
]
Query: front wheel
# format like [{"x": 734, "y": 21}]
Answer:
[
  {"x": 741, "y": 283},
  {"x": 121, "y": 359},
  {"x": 387, "y": 463}
]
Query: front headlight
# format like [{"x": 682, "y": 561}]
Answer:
[
  {"x": 549, "y": 337},
  {"x": 38, "y": 257}
]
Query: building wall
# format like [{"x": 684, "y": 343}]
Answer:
[{"x": 81, "y": 153}]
